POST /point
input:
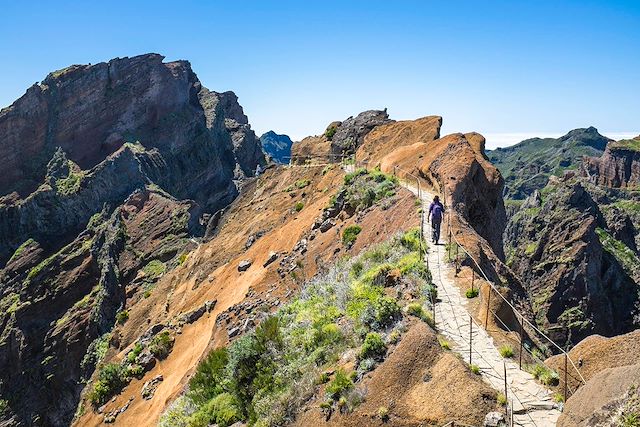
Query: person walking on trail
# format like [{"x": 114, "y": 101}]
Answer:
[{"x": 436, "y": 212}]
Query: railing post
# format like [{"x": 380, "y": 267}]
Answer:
[
  {"x": 473, "y": 278},
  {"x": 565, "y": 376},
  {"x": 504, "y": 364},
  {"x": 470, "y": 336},
  {"x": 486, "y": 320},
  {"x": 521, "y": 340}
]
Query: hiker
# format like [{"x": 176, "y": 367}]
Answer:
[{"x": 436, "y": 212}]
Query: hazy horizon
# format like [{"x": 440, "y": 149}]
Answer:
[{"x": 497, "y": 68}]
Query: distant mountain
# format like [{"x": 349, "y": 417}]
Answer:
[
  {"x": 527, "y": 165},
  {"x": 277, "y": 146}
]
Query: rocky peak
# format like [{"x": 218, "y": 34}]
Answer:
[
  {"x": 350, "y": 133},
  {"x": 277, "y": 146},
  {"x": 618, "y": 167},
  {"x": 90, "y": 111},
  {"x": 587, "y": 137}
]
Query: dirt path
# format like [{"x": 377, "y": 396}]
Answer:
[{"x": 532, "y": 403}]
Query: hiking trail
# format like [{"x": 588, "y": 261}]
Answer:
[{"x": 532, "y": 403}]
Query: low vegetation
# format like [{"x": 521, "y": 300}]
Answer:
[
  {"x": 544, "y": 374},
  {"x": 154, "y": 269},
  {"x": 302, "y": 183},
  {"x": 161, "y": 345},
  {"x": 70, "y": 184},
  {"x": 350, "y": 234},
  {"x": 501, "y": 399},
  {"x": 506, "y": 351},
  {"x": 112, "y": 378},
  {"x": 298, "y": 206},
  {"x": 472, "y": 293},
  {"x": 122, "y": 317},
  {"x": 264, "y": 376},
  {"x": 475, "y": 368},
  {"x": 20, "y": 250},
  {"x": 364, "y": 188},
  {"x": 330, "y": 132}
]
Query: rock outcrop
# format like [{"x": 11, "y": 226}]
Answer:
[
  {"x": 618, "y": 167},
  {"x": 111, "y": 171},
  {"x": 609, "y": 398},
  {"x": 578, "y": 260},
  {"x": 339, "y": 139}
]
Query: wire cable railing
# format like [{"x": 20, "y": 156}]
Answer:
[{"x": 518, "y": 315}]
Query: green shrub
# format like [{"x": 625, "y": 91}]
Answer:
[
  {"x": 4, "y": 407},
  {"x": 209, "y": 379},
  {"x": 182, "y": 258},
  {"x": 154, "y": 269},
  {"x": 506, "y": 351},
  {"x": 134, "y": 371},
  {"x": 412, "y": 239},
  {"x": 357, "y": 268},
  {"x": 416, "y": 309},
  {"x": 472, "y": 293},
  {"x": 298, "y": 206},
  {"x": 330, "y": 132},
  {"x": 133, "y": 354},
  {"x": 301, "y": 183},
  {"x": 501, "y": 399},
  {"x": 475, "y": 368},
  {"x": 629, "y": 420},
  {"x": 351, "y": 177},
  {"x": 21, "y": 249},
  {"x": 339, "y": 385},
  {"x": 111, "y": 379},
  {"x": 350, "y": 234},
  {"x": 122, "y": 317},
  {"x": 222, "y": 410},
  {"x": 383, "y": 413},
  {"x": 558, "y": 398},
  {"x": 387, "y": 311},
  {"x": 373, "y": 347},
  {"x": 161, "y": 345},
  {"x": 543, "y": 374},
  {"x": 444, "y": 344},
  {"x": 323, "y": 378}
]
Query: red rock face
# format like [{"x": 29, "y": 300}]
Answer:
[
  {"x": 619, "y": 166},
  {"x": 92, "y": 110},
  {"x": 106, "y": 169}
]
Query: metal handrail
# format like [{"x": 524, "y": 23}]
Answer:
[{"x": 493, "y": 287}]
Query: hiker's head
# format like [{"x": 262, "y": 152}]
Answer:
[{"x": 436, "y": 199}]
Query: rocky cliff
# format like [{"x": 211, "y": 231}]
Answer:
[
  {"x": 618, "y": 167},
  {"x": 277, "y": 146},
  {"x": 573, "y": 246},
  {"x": 112, "y": 170}
]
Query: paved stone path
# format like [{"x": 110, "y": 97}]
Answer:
[{"x": 532, "y": 402}]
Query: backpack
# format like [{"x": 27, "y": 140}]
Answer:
[{"x": 436, "y": 212}]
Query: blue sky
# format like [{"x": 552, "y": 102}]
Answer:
[{"x": 507, "y": 69}]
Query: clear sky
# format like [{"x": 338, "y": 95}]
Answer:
[{"x": 502, "y": 68}]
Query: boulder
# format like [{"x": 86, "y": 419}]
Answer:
[
  {"x": 244, "y": 265},
  {"x": 494, "y": 419},
  {"x": 272, "y": 257}
]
